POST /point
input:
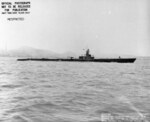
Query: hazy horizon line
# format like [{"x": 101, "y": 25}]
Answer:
[{"x": 76, "y": 53}]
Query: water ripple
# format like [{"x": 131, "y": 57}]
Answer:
[{"x": 73, "y": 92}]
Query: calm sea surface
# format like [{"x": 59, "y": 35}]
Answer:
[{"x": 74, "y": 92}]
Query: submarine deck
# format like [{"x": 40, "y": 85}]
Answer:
[{"x": 118, "y": 60}]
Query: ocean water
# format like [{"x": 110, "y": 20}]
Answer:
[{"x": 74, "y": 92}]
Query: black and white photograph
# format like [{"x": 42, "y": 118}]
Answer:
[{"x": 74, "y": 61}]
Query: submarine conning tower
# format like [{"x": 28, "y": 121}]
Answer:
[{"x": 87, "y": 56}]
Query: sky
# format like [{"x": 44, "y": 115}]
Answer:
[{"x": 104, "y": 26}]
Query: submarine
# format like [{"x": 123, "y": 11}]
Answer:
[{"x": 85, "y": 58}]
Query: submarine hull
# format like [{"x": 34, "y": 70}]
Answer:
[{"x": 107, "y": 60}]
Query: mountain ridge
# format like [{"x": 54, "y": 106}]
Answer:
[{"x": 30, "y": 52}]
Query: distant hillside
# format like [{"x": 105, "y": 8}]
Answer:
[{"x": 30, "y": 52}]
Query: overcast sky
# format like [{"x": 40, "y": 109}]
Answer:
[{"x": 104, "y": 26}]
